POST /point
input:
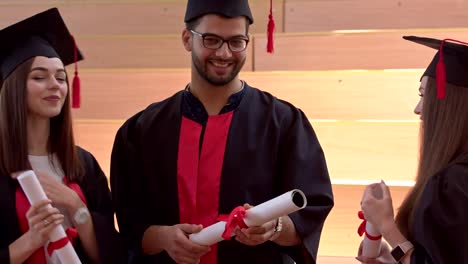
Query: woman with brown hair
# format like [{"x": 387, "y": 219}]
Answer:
[
  {"x": 431, "y": 224},
  {"x": 36, "y": 133}
]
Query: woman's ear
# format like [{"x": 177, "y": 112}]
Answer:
[{"x": 187, "y": 39}]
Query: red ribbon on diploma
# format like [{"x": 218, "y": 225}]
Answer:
[
  {"x": 362, "y": 228},
  {"x": 233, "y": 220},
  {"x": 71, "y": 234}
]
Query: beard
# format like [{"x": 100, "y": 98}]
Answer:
[{"x": 201, "y": 67}]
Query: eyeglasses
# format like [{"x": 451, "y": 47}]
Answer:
[{"x": 214, "y": 42}]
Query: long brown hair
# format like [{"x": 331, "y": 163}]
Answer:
[
  {"x": 444, "y": 139},
  {"x": 13, "y": 129}
]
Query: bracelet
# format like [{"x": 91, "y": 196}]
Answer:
[{"x": 278, "y": 229}]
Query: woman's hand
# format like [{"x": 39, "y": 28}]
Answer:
[
  {"x": 384, "y": 257},
  {"x": 59, "y": 193},
  {"x": 42, "y": 219},
  {"x": 378, "y": 210}
]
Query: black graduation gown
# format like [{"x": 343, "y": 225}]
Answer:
[
  {"x": 440, "y": 228},
  {"x": 271, "y": 148},
  {"x": 96, "y": 191}
]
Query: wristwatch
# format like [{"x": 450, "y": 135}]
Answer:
[
  {"x": 400, "y": 250},
  {"x": 81, "y": 215}
]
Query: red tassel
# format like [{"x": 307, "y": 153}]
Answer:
[
  {"x": 76, "y": 91},
  {"x": 76, "y": 100},
  {"x": 441, "y": 74},
  {"x": 270, "y": 29},
  {"x": 440, "y": 78}
]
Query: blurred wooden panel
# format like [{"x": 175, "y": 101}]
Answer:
[
  {"x": 343, "y": 51},
  {"x": 97, "y": 137},
  {"x": 355, "y": 151},
  {"x": 339, "y": 236},
  {"x": 326, "y": 15},
  {"x": 344, "y": 95},
  {"x": 335, "y": 259},
  {"x": 369, "y": 151},
  {"x": 163, "y": 51},
  {"x": 341, "y": 95},
  {"x": 96, "y": 17},
  {"x": 121, "y": 94}
]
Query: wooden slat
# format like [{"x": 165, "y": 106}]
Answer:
[
  {"x": 139, "y": 52},
  {"x": 325, "y": 15},
  {"x": 335, "y": 259},
  {"x": 355, "y": 151},
  {"x": 369, "y": 151},
  {"x": 342, "y": 95},
  {"x": 97, "y": 138},
  {"x": 128, "y": 17},
  {"x": 120, "y": 94},
  {"x": 339, "y": 51}
]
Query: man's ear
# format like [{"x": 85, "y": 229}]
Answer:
[{"x": 187, "y": 39}]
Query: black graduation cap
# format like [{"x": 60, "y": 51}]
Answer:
[
  {"x": 450, "y": 64},
  {"x": 227, "y": 8},
  {"x": 44, "y": 34}
]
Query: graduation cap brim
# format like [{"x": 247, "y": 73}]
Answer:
[
  {"x": 225, "y": 8},
  {"x": 455, "y": 59},
  {"x": 44, "y": 34}
]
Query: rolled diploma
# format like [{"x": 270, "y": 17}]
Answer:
[
  {"x": 371, "y": 248},
  {"x": 33, "y": 190},
  {"x": 280, "y": 206}
]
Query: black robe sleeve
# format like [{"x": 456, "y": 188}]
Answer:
[
  {"x": 127, "y": 196},
  {"x": 96, "y": 191},
  {"x": 303, "y": 166},
  {"x": 441, "y": 220},
  {"x": 9, "y": 229}
]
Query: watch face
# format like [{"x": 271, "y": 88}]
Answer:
[
  {"x": 81, "y": 216},
  {"x": 397, "y": 253}
]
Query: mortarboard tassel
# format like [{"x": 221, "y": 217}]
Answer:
[
  {"x": 270, "y": 29},
  {"x": 441, "y": 74},
  {"x": 76, "y": 80}
]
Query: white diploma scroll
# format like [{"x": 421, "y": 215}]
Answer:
[
  {"x": 280, "y": 206},
  {"x": 34, "y": 192},
  {"x": 371, "y": 248}
]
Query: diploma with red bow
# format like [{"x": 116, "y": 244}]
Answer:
[
  {"x": 240, "y": 218},
  {"x": 372, "y": 240},
  {"x": 371, "y": 245},
  {"x": 59, "y": 242}
]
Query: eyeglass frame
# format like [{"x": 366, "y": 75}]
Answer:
[{"x": 223, "y": 40}]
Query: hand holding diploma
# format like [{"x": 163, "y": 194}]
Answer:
[
  {"x": 42, "y": 219},
  {"x": 377, "y": 211},
  {"x": 255, "y": 216},
  {"x": 59, "y": 242},
  {"x": 255, "y": 235}
]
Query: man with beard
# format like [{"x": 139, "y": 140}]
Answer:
[{"x": 218, "y": 144}]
